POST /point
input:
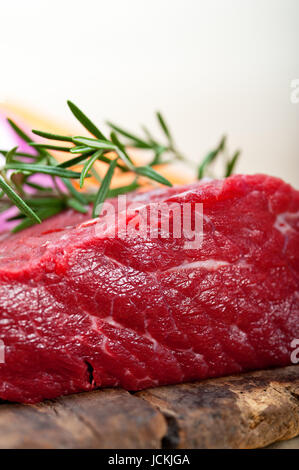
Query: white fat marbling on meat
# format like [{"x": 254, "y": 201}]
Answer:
[{"x": 281, "y": 223}]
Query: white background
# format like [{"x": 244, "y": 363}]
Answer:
[{"x": 211, "y": 66}]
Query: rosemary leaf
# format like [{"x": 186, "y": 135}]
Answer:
[
  {"x": 41, "y": 202},
  {"x": 76, "y": 205},
  {"x": 45, "y": 169},
  {"x": 104, "y": 189},
  {"x": 74, "y": 161},
  {"x": 141, "y": 143},
  {"x": 81, "y": 149},
  {"x": 164, "y": 127},
  {"x": 85, "y": 121},
  {"x": 19, "y": 154},
  {"x": 88, "y": 165},
  {"x": 232, "y": 163},
  {"x": 80, "y": 197},
  {"x": 95, "y": 174},
  {"x": 24, "y": 136},
  {"x": 82, "y": 158},
  {"x": 211, "y": 157},
  {"x": 50, "y": 147},
  {"x": 152, "y": 174},
  {"x": 19, "y": 131},
  {"x": 10, "y": 155},
  {"x": 123, "y": 189},
  {"x": 48, "y": 135},
  {"x": 93, "y": 143},
  {"x": 120, "y": 149},
  {"x": 18, "y": 201},
  {"x": 38, "y": 187},
  {"x": 43, "y": 214},
  {"x": 151, "y": 139},
  {"x": 16, "y": 217}
]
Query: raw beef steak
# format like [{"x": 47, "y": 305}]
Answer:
[{"x": 80, "y": 309}]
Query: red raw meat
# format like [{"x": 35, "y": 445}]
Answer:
[{"x": 80, "y": 310}]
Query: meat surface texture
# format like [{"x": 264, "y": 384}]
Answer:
[{"x": 81, "y": 310}]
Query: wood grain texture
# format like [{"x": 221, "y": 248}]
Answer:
[
  {"x": 243, "y": 411},
  {"x": 289, "y": 444},
  {"x": 102, "y": 419}
]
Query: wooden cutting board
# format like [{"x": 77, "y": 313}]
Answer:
[{"x": 242, "y": 411}]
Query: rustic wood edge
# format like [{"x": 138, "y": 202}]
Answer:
[{"x": 245, "y": 411}]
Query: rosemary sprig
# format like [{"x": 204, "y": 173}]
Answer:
[
  {"x": 90, "y": 162},
  {"x": 96, "y": 148},
  {"x": 104, "y": 189},
  {"x": 15, "y": 178},
  {"x": 89, "y": 149},
  {"x": 43, "y": 169},
  {"x": 232, "y": 163},
  {"x": 16, "y": 172},
  {"x": 85, "y": 121},
  {"x": 150, "y": 143},
  {"x": 210, "y": 157},
  {"x": 18, "y": 201}
]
